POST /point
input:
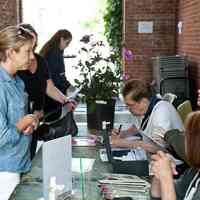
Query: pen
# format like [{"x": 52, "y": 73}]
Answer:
[{"x": 119, "y": 130}]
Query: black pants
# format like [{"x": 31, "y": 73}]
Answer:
[{"x": 33, "y": 144}]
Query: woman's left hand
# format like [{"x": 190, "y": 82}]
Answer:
[{"x": 71, "y": 105}]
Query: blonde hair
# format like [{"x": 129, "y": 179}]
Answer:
[{"x": 13, "y": 37}]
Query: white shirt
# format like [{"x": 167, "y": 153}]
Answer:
[{"x": 164, "y": 117}]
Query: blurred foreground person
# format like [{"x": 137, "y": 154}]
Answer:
[{"x": 187, "y": 187}]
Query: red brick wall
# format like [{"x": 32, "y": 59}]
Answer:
[
  {"x": 188, "y": 43},
  {"x": 8, "y": 12},
  {"x": 147, "y": 45}
]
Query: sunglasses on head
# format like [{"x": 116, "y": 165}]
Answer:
[{"x": 22, "y": 32}]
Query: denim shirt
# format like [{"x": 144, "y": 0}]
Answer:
[{"x": 14, "y": 146}]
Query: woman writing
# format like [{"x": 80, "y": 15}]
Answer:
[
  {"x": 15, "y": 126},
  {"x": 158, "y": 116}
]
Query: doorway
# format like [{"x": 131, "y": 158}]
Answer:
[{"x": 79, "y": 17}]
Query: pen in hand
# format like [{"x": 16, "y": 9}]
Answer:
[{"x": 119, "y": 130}]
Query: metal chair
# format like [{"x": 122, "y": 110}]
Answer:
[
  {"x": 184, "y": 109},
  {"x": 170, "y": 97}
]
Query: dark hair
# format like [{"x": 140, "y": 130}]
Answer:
[
  {"x": 193, "y": 138},
  {"x": 29, "y": 27},
  {"x": 137, "y": 89},
  {"x": 54, "y": 42},
  {"x": 13, "y": 37}
]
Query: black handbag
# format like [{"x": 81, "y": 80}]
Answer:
[{"x": 65, "y": 125}]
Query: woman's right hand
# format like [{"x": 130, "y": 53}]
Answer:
[
  {"x": 27, "y": 124},
  {"x": 124, "y": 133},
  {"x": 163, "y": 169},
  {"x": 162, "y": 166},
  {"x": 115, "y": 132}
]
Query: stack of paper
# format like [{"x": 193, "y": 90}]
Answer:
[{"x": 121, "y": 185}]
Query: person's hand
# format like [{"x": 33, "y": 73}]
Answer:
[
  {"x": 39, "y": 114},
  {"x": 29, "y": 130},
  {"x": 115, "y": 133},
  {"x": 73, "y": 101},
  {"x": 71, "y": 104},
  {"x": 27, "y": 124},
  {"x": 162, "y": 166},
  {"x": 122, "y": 134}
]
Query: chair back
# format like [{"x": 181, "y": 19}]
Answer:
[
  {"x": 184, "y": 109},
  {"x": 170, "y": 97}
]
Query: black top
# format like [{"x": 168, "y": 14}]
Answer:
[
  {"x": 56, "y": 68},
  {"x": 36, "y": 83}
]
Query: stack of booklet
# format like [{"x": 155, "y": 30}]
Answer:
[{"x": 122, "y": 185}]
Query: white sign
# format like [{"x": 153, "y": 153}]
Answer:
[
  {"x": 180, "y": 27},
  {"x": 57, "y": 162},
  {"x": 145, "y": 27}
]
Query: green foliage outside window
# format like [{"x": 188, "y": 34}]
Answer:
[{"x": 113, "y": 27}]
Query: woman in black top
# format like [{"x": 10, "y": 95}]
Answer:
[
  {"x": 38, "y": 84},
  {"x": 52, "y": 51}
]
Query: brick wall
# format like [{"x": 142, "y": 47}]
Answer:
[
  {"x": 188, "y": 42},
  {"x": 8, "y": 12},
  {"x": 147, "y": 45}
]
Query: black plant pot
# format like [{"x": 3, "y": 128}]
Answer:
[{"x": 99, "y": 111}]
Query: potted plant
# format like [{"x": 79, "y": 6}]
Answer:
[{"x": 99, "y": 81}]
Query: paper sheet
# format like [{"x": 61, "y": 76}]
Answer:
[{"x": 87, "y": 164}]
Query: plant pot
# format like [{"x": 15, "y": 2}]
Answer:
[{"x": 99, "y": 111}]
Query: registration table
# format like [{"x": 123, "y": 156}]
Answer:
[{"x": 31, "y": 187}]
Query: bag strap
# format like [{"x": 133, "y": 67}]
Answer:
[
  {"x": 153, "y": 101},
  {"x": 54, "y": 111}
]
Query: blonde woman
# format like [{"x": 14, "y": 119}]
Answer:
[{"x": 15, "y": 126}]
